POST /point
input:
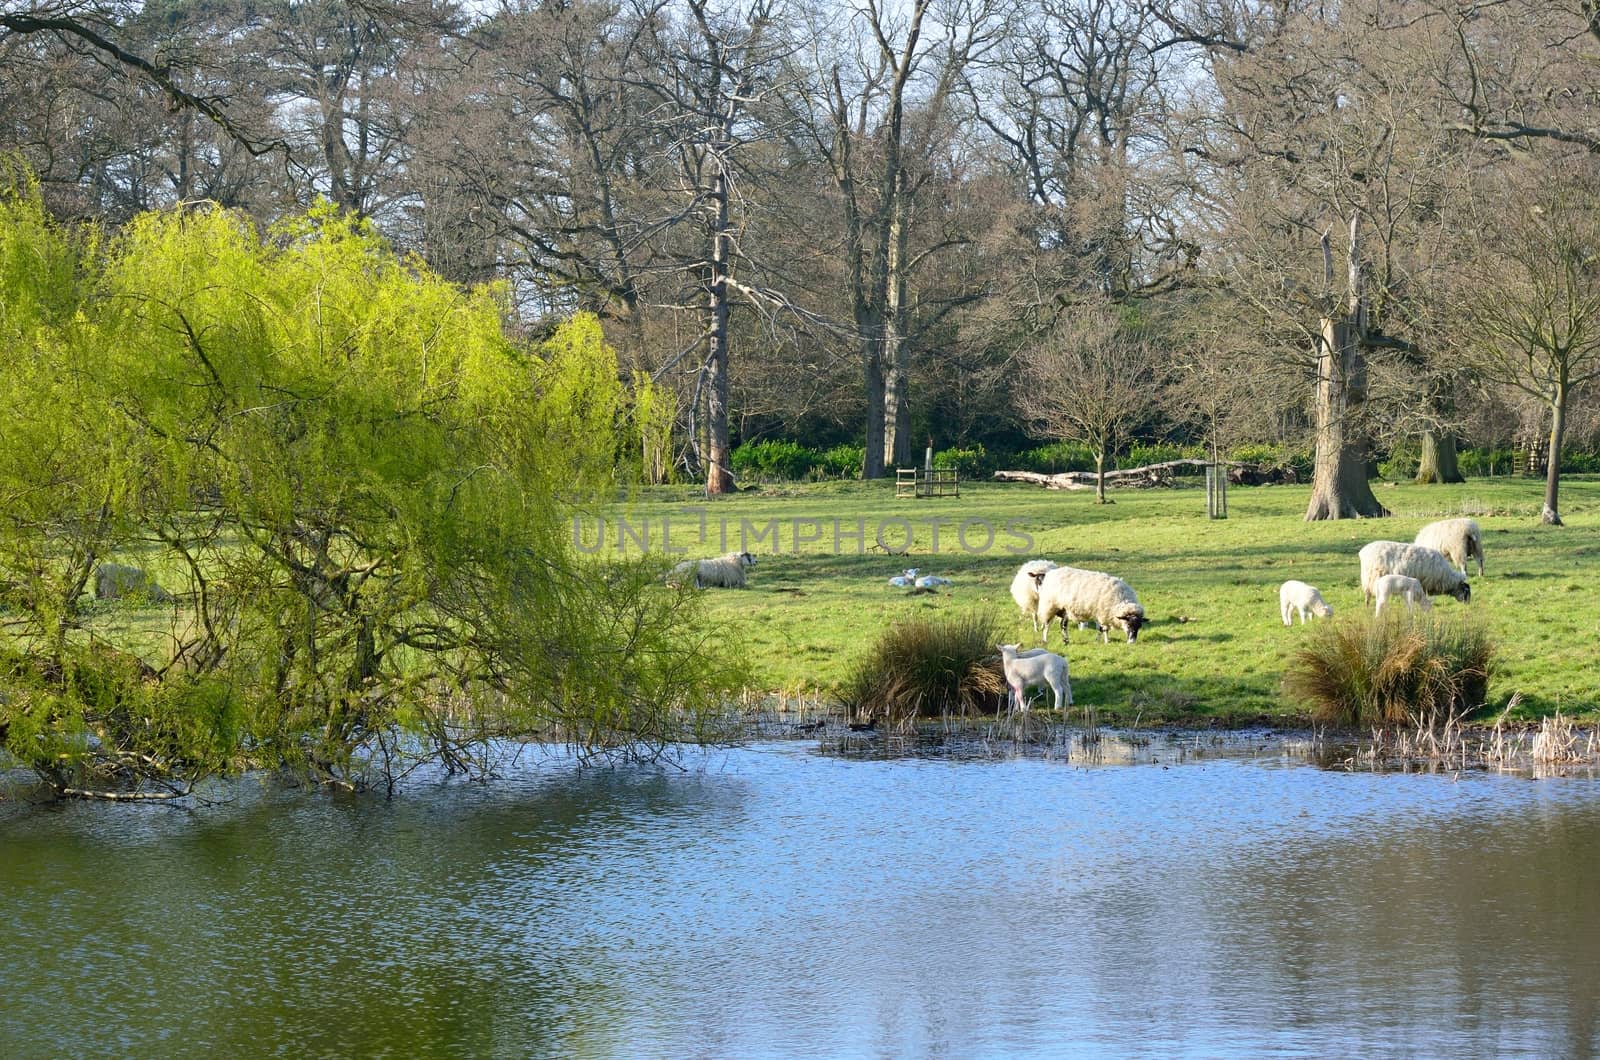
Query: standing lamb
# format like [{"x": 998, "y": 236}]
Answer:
[
  {"x": 1298, "y": 596},
  {"x": 1398, "y": 586},
  {"x": 1460, "y": 539},
  {"x": 1030, "y": 669},
  {"x": 1025, "y": 587},
  {"x": 1076, "y": 595},
  {"x": 1428, "y": 565},
  {"x": 723, "y": 572}
]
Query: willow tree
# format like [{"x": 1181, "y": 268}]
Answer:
[{"x": 359, "y": 492}]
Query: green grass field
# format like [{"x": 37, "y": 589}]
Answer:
[{"x": 1215, "y": 647}]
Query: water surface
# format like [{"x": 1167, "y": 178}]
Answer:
[{"x": 773, "y": 900}]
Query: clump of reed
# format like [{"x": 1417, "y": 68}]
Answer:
[
  {"x": 1401, "y": 668},
  {"x": 927, "y": 668}
]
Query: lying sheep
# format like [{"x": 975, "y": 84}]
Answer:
[
  {"x": 1030, "y": 669},
  {"x": 723, "y": 572},
  {"x": 1076, "y": 595},
  {"x": 1025, "y": 587},
  {"x": 1428, "y": 565},
  {"x": 113, "y": 581},
  {"x": 1460, "y": 539},
  {"x": 1298, "y": 596},
  {"x": 1392, "y": 586}
]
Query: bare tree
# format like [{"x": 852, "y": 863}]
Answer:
[
  {"x": 1531, "y": 299},
  {"x": 1089, "y": 380}
]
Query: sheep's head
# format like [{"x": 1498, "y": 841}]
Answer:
[
  {"x": 747, "y": 559},
  {"x": 1322, "y": 609},
  {"x": 1131, "y": 619},
  {"x": 1462, "y": 592}
]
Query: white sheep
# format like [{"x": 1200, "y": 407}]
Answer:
[
  {"x": 112, "y": 581},
  {"x": 1428, "y": 565},
  {"x": 1392, "y": 586},
  {"x": 932, "y": 581},
  {"x": 905, "y": 579},
  {"x": 1077, "y": 595},
  {"x": 1296, "y": 596},
  {"x": 723, "y": 572},
  {"x": 1025, "y": 587},
  {"x": 1030, "y": 669},
  {"x": 1460, "y": 539}
]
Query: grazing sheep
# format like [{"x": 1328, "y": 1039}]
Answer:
[
  {"x": 723, "y": 572},
  {"x": 1460, "y": 539},
  {"x": 1076, "y": 595},
  {"x": 1298, "y": 596},
  {"x": 1392, "y": 586},
  {"x": 1428, "y": 565},
  {"x": 1025, "y": 587},
  {"x": 1030, "y": 669},
  {"x": 113, "y": 581}
]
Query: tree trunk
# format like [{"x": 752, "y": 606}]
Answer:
[
  {"x": 1339, "y": 487},
  {"x": 719, "y": 477},
  {"x": 1551, "y": 515},
  {"x": 1438, "y": 462},
  {"x": 1100, "y": 477},
  {"x": 873, "y": 377},
  {"x": 896, "y": 351}
]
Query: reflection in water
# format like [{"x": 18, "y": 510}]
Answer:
[{"x": 776, "y": 901}]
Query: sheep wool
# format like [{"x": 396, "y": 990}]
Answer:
[
  {"x": 1428, "y": 566},
  {"x": 723, "y": 572},
  {"x": 1294, "y": 596},
  {"x": 1025, "y": 587},
  {"x": 1076, "y": 595},
  {"x": 1459, "y": 539}
]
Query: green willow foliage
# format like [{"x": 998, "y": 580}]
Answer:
[{"x": 358, "y": 490}]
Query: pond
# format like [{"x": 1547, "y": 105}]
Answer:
[{"x": 775, "y": 900}]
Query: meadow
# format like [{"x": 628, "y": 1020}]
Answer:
[{"x": 1215, "y": 648}]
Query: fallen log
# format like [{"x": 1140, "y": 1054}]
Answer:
[{"x": 1148, "y": 475}]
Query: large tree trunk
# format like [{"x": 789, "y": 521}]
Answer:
[
  {"x": 896, "y": 351},
  {"x": 1100, "y": 477},
  {"x": 1552, "y": 475},
  {"x": 719, "y": 477},
  {"x": 1339, "y": 487},
  {"x": 1438, "y": 462},
  {"x": 873, "y": 379}
]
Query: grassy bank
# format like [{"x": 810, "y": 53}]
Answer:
[{"x": 1215, "y": 647}]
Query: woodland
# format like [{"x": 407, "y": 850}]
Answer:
[{"x": 1345, "y": 227}]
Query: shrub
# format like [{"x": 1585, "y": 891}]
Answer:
[
  {"x": 1272, "y": 454},
  {"x": 1402, "y": 462},
  {"x": 1141, "y": 455},
  {"x": 842, "y": 461},
  {"x": 971, "y": 463},
  {"x": 1396, "y": 669},
  {"x": 1578, "y": 462},
  {"x": 1498, "y": 460},
  {"x": 1056, "y": 457},
  {"x": 927, "y": 668},
  {"x": 773, "y": 459}
]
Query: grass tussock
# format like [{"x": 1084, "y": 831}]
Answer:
[
  {"x": 1396, "y": 669},
  {"x": 927, "y": 668}
]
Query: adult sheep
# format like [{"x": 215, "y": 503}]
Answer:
[
  {"x": 113, "y": 581},
  {"x": 1460, "y": 539},
  {"x": 1076, "y": 595},
  {"x": 1025, "y": 587},
  {"x": 722, "y": 572},
  {"x": 1428, "y": 565}
]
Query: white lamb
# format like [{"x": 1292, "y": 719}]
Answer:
[
  {"x": 1398, "y": 586},
  {"x": 1460, "y": 539},
  {"x": 723, "y": 572},
  {"x": 1030, "y": 669},
  {"x": 932, "y": 581},
  {"x": 1428, "y": 565},
  {"x": 1025, "y": 587},
  {"x": 1296, "y": 596},
  {"x": 1076, "y": 595}
]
